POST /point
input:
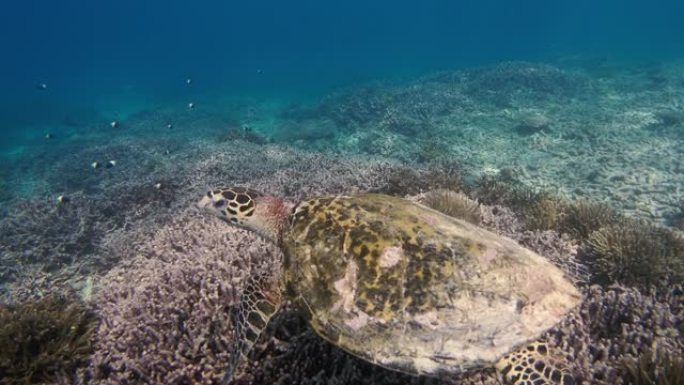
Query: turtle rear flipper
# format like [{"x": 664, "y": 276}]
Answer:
[
  {"x": 259, "y": 302},
  {"x": 534, "y": 364}
]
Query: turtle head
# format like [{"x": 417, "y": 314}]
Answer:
[{"x": 249, "y": 209}]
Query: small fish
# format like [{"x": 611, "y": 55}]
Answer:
[
  {"x": 191, "y": 105},
  {"x": 114, "y": 124},
  {"x": 188, "y": 81},
  {"x": 259, "y": 71},
  {"x": 41, "y": 86},
  {"x": 95, "y": 164},
  {"x": 111, "y": 163},
  {"x": 169, "y": 126},
  {"x": 49, "y": 136},
  {"x": 158, "y": 186}
]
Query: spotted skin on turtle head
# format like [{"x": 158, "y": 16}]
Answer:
[
  {"x": 249, "y": 209},
  {"x": 534, "y": 365},
  {"x": 233, "y": 204}
]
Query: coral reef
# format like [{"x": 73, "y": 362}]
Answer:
[
  {"x": 668, "y": 119},
  {"x": 6, "y": 192},
  {"x": 500, "y": 83},
  {"x": 245, "y": 133},
  {"x": 495, "y": 191},
  {"x": 43, "y": 340},
  {"x": 404, "y": 181},
  {"x": 357, "y": 109},
  {"x": 44, "y": 245},
  {"x": 546, "y": 213},
  {"x": 655, "y": 368},
  {"x": 570, "y": 145},
  {"x": 308, "y": 130},
  {"x": 166, "y": 314},
  {"x": 615, "y": 324},
  {"x": 533, "y": 123},
  {"x": 676, "y": 219},
  {"x": 176, "y": 296},
  {"x": 166, "y": 304},
  {"x": 49, "y": 238},
  {"x": 48, "y": 231},
  {"x": 452, "y": 203},
  {"x": 432, "y": 149},
  {"x": 635, "y": 253},
  {"x": 584, "y": 217}
]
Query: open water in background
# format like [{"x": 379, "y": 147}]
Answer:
[{"x": 97, "y": 57}]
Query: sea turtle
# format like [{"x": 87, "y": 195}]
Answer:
[{"x": 401, "y": 285}]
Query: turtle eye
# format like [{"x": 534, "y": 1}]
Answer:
[{"x": 219, "y": 203}]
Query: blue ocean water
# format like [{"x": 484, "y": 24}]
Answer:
[
  {"x": 558, "y": 124},
  {"x": 121, "y": 55}
]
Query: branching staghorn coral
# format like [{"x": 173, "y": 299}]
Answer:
[
  {"x": 615, "y": 324},
  {"x": 166, "y": 313}
]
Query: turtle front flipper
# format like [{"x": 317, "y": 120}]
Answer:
[
  {"x": 259, "y": 302},
  {"x": 533, "y": 364}
]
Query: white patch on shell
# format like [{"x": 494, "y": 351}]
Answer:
[
  {"x": 428, "y": 319},
  {"x": 346, "y": 288},
  {"x": 359, "y": 321},
  {"x": 489, "y": 255},
  {"x": 390, "y": 257}
]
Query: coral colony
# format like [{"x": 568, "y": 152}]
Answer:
[{"x": 110, "y": 275}]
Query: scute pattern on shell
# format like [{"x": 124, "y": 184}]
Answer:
[{"x": 411, "y": 289}]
